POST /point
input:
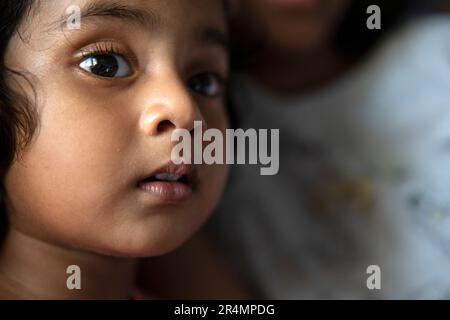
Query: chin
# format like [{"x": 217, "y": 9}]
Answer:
[
  {"x": 146, "y": 248},
  {"x": 303, "y": 46},
  {"x": 293, "y": 37}
]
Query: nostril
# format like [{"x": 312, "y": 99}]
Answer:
[{"x": 164, "y": 125}]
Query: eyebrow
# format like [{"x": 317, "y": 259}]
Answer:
[
  {"x": 209, "y": 36},
  {"x": 215, "y": 37},
  {"x": 113, "y": 10}
]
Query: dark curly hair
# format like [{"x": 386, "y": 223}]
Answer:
[{"x": 17, "y": 117}]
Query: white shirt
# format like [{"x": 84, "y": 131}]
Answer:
[{"x": 364, "y": 179}]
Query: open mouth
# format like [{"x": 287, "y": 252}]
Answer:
[
  {"x": 168, "y": 177},
  {"x": 171, "y": 183}
]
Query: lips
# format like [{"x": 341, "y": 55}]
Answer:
[{"x": 171, "y": 183}]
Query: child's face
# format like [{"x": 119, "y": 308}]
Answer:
[
  {"x": 294, "y": 25},
  {"x": 105, "y": 122}
]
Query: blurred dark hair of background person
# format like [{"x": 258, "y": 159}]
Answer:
[{"x": 343, "y": 20}]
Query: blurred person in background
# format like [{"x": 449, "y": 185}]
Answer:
[{"x": 364, "y": 119}]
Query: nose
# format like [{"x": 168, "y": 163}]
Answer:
[{"x": 168, "y": 107}]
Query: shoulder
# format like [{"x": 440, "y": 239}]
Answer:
[
  {"x": 411, "y": 65},
  {"x": 422, "y": 44},
  {"x": 428, "y": 28},
  {"x": 402, "y": 95}
]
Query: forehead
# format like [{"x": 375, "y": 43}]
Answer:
[{"x": 48, "y": 15}]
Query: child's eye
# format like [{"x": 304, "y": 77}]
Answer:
[
  {"x": 207, "y": 84},
  {"x": 107, "y": 65}
]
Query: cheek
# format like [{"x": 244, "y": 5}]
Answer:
[
  {"x": 214, "y": 176},
  {"x": 72, "y": 184},
  {"x": 216, "y": 116},
  {"x": 44, "y": 205},
  {"x": 214, "y": 185},
  {"x": 69, "y": 176}
]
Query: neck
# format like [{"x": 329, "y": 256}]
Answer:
[
  {"x": 34, "y": 269},
  {"x": 289, "y": 73}
]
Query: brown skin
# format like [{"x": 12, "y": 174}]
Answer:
[
  {"x": 298, "y": 52},
  {"x": 195, "y": 271},
  {"x": 298, "y": 55},
  {"x": 72, "y": 198}
]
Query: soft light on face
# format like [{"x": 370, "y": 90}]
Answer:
[
  {"x": 110, "y": 95},
  {"x": 293, "y": 25}
]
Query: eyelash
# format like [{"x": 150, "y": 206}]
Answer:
[
  {"x": 103, "y": 48},
  {"x": 108, "y": 48}
]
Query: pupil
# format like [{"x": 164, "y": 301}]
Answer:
[
  {"x": 202, "y": 84},
  {"x": 104, "y": 65}
]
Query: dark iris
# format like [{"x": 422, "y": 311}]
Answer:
[
  {"x": 206, "y": 84},
  {"x": 104, "y": 65}
]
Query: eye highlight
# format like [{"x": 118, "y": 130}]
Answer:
[
  {"x": 106, "y": 60},
  {"x": 107, "y": 66},
  {"x": 207, "y": 84}
]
